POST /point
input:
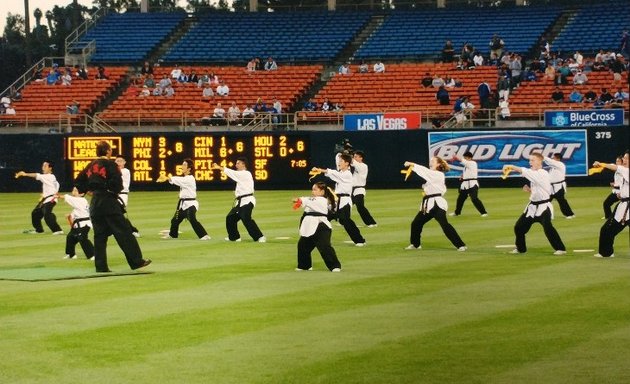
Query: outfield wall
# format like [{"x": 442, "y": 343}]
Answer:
[{"x": 282, "y": 160}]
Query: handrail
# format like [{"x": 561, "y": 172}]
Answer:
[
  {"x": 28, "y": 75},
  {"x": 83, "y": 28}
]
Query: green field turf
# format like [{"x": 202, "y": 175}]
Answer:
[{"x": 218, "y": 312}]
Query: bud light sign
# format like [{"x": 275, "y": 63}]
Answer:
[
  {"x": 584, "y": 118},
  {"x": 381, "y": 121},
  {"x": 493, "y": 149}
]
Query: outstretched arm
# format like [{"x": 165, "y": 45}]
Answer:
[{"x": 24, "y": 174}]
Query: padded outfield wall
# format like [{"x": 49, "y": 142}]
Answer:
[{"x": 283, "y": 160}]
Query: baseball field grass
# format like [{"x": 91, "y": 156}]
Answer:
[{"x": 221, "y": 312}]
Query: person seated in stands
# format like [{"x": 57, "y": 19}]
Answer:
[
  {"x": 449, "y": 82},
  {"x": 144, "y": 92},
  {"x": 572, "y": 65},
  {"x": 37, "y": 75},
  {"x": 213, "y": 79},
  {"x": 66, "y": 78},
  {"x": 248, "y": 114},
  {"x": 590, "y": 96},
  {"x": 442, "y": 96},
  {"x": 9, "y": 110},
  {"x": 218, "y": 115},
  {"x": 149, "y": 82},
  {"x": 169, "y": 91},
  {"x": 580, "y": 78},
  {"x": 478, "y": 59},
  {"x": 326, "y": 106},
  {"x": 579, "y": 59},
  {"x": 503, "y": 86},
  {"x": 437, "y": 81},
  {"x": 5, "y": 102},
  {"x": 605, "y": 96},
  {"x": 271, "y": 65},
  {"x": 165, "y": 82},
  {"x": 460, "y": 109},
  {"x": 363, "y": 68},
  {"x": 14, "y": 94},
  {"x": 537, "y": 66},
  {"x": 515, "y": 70},
  {"x": 193, "y": 78},
  {"x": 448, "y": 52},
  {"x": 251, "y": 65},
  {"x": 234, "y": 114},
  {"x": 52, "y": 78},
  {"x": 617, "y": 67},
  {"x": 550, "y": 73},
  {"x": 101, "y": 73},
  {"x": 223, "y": 89},
  {"x": 496, "y": 45},
  {"x": 157, "y": 91},
  {"x": 493, "y": 60},
  {"x": 176, "y": 72},
  {"x": 379, "y": 67},
  {"x": 344, "y": 69},
  {"x": 81, "y": 72},
  {"x": 557, "y": 96},
  {"x": 203, "y": 80},
  {"x": 621, "y": 96},
  {"x": 137, "y": 80},
  {"x": 427, "y": 80},
  {"x": 560, "y": 79},
  {"x": 207, "y": 91},
  {"x": 467, "y": 52},
  {"x": 529, "y": 75},
  {"x": 275, "y": 111},
  {"x": 599, "y": 65},
  {"x": 576, "y": 96},
  {"x": 310, "y": 106},
  {"x": 73, "y": 109},
  {"x": 183, "y": 77},
  {"x": 503, "y": 110},
  {"x": 260, "y": 106},
  {"x": 147, "y": 68},
  {"x": 338, "y": 107}
]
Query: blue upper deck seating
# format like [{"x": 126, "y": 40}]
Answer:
[
  {"x": 423, "y": 33},
  {"x": 296, "y": 36},
  {"x": 129, "y": 37}
]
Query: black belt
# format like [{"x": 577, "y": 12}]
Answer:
[
  {"x": 123, "y": 193},
  {"x": 558, "y": 182},
  {"x": 625, "y": 199},
  {"x": 314, "y": 214},
  {"x": 237, "y": 200},
  {"x": 469, "y": 179},
  {"x": 76, "y": 221},
  {"x": 45, "y": 197},
  {"x": 180, "y": 203},
  {"x": 539, "y": 202},
  {"x": 425, "y": 200}
]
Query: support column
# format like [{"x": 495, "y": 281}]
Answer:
[
  {"x": 253, "y": 5},
  {"x": 332, "y": 5},
  {"x": 441, "y": 3},
  {"x": 144, "y": 6}
]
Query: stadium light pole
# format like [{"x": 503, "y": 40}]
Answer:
[{"x": 27, "y": 34}]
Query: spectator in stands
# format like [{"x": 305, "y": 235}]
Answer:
[
  {"x": 503, "y": 110},
  {"x": 462, "y": 107},
  {"x": 528, "y": 75},
  {"x": 515, "y": 69},
  {"x": 14, "y": 94},
  {"x": 590, "y": 96},
  {"x": 617, "y": 67},
  {"x": 270, "y": 65},
  {"x": 572, "y": 65},
  {"x": 621, "y": 96},
  {"x": 183, "y": 77},
  {"x": 137, "y": 80},
  {"x": 562, "y": 74},
  {"x": 503, "y": 86},
  {"x": 81, "y": 72},
  {"x": 101, "y": 73},
  {"x": 606, "y": 97},
  {"x": 580, "y": 78},
  {"x": 203, "y": 80},
  {"x": 599, "y": 65},
  {"x": 442, "y": 96},
  {"x": 449, "y": 82},
  {"x": 193, "y": 78},
  {"x": 207, "y": 91},
  {"x": 448, "y": 52},
  {"x": 149, "y": 82},
  {"x": 234, "y": 114},
  {"x": 363, "y": 67},
  {"x": 310, "y": 106},
  {"x": 218, "y": 115},
  {"x": 579, "y": 59},
  {"x": 157, "y": 91},
  {"x": 66, "y": 78},
  {"x": 276, "y": 110},
  {"x": 576, "y": 96},
  {"x": 213, "y": 79},
  {"x": 437, "y": 81},
  {"x": 478, "y": 59},
  {"x": 344, "y": 69},
  {"x": 557, "y": 96},
  {"x": 326, "y": 106},
  {"x": 165, "y": 82},
  {"x": 248, "y": 114},
  {"x": 147, "y": 68},
  {"x": 496, "y": 45},
  {"x": 493, "y": 60},
  {"x": 427, "y": 80},
  {"x": 169, "y": 91},
  {"x": 277, "y": 105},
  {"x": 379, "y": 67},
  {"x": 467, "y": 53},
  {"x": 337, "y": 107},
  {"x": 223, "y": 89},
  {"x": 537, "y": 66},
  {"x": 37, "y": 75},
  {"x": 9, "y": 110},
  {"x": 624, "y": 46},
  {"x": 251, "y": 65},
  {"x": 550, "y": 73},
  {"x": 144, "y": 93},
  {"x": 176, "y": 72},
  {"x": 73, "y": 109},
  {"x": 260, "y": 106},
  {"x": 52, "y": 78},
  {"x": 484, "y": 92}
]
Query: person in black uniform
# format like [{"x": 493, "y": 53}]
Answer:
[{"x": 102, "y": 177}]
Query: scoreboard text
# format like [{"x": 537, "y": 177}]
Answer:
[{"x": 271, "y": 158}]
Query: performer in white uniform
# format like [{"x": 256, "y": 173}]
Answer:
[
  {"x": 80, "y": 224},
  {"x": 621, "y": 215},
  {"x": 359, "y": 179},
  {"x": 343, "y": 189},
  {"x": 614, "y": 194},
  {"x": 315, "y": 229},
  {"x": 123, "y": 196},
  {"x": 243, "y": 204},
  {"x": 539, "y": 208},
  {"x": 187, "y": 206},
  {"x": 557, "y": 172},
  {"x": 433, "y": 203},
  {"x": 45, "y": 205},
  {"x": 469, "y": 186}
]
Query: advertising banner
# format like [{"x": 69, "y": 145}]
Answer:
[
  {"x": 584, "y": 118},
  {"x": 382, "y": 121},
  {"x": 493, "y": 149}
]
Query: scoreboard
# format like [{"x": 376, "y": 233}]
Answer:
[{"x": 272, "y": 159}]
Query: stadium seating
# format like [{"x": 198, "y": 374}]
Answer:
[
  {"x": 286, "y": 84},
  {"x": 423, "y": 33},
  {"x": 129, "y": 37},
  {"x": 594, "y": 28},
  {"x": 298, "y": 36}
]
